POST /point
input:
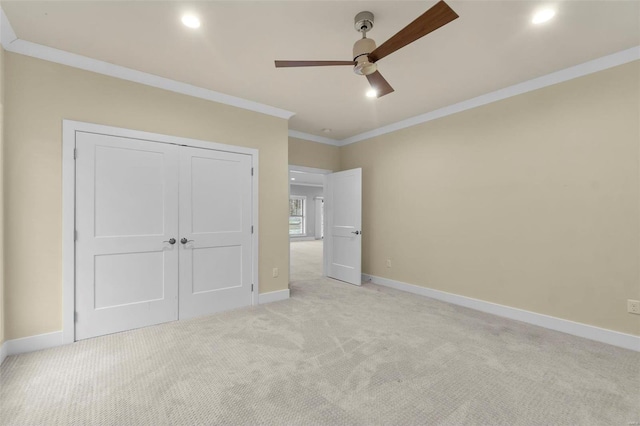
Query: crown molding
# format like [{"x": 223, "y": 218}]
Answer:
[
  {"x": 7, "y": 35},
  {"x": 313, "y": 138},
  {"x": 599, "y": 64},
  {"x": 580, "y": 70},
  {"x": 11, "y": 43},
  {"x": 313, "y": 185},
  {"x": 302, "y": 169},
  {"x": 50, "y": 54}
]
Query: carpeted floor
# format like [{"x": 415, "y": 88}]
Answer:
[
  {"x": 332, "y": 354},
  {"x": 306, "y": 260}
]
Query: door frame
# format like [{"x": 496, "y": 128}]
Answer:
[
  {"x": 69, "y": 129},
  {"x": 293, "y": 167}
]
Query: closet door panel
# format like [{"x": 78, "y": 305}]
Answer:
[
  {"x": 215, "y": 231},
  {"x": 126, "y": 208}
]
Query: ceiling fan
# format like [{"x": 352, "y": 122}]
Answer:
[{"x": 366, "y": 54}]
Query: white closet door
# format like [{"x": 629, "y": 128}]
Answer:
[
  {"x": 215, "y": 219},
  {"x": 126, "y": 207}
]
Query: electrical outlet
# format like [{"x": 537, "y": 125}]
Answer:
[
  {"x": 275, "y": 272},
  {"x": 388, "y": 263},
  {"x": 633, "y": 306}
]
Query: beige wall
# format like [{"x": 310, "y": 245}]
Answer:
[
  {"x": 40, "y": 95},
  {"x": 2, "y": 310},
  {"x": 313, "y": 154},
  {"x": 531, "y": 202}
]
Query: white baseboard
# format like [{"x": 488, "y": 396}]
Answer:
[
  {"x": 31, "y": 343},
  {"x": 591, "y": 332},
  {"x": 50, "y": 340},
  {"x": 273, "y": 296},
  {"x": 3, "y": 352},
  {"x": 294, "y": 239}
]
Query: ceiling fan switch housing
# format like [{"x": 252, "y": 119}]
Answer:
[{"x": 363, "y": 22}]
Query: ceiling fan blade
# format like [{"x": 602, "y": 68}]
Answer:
[
  {"x": 283, "y": 64},
  {"x": 379, "y": 84},
  {"x": 434, "y": 18}
]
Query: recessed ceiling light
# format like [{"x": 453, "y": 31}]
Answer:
[
  {"x": 293, "y": 178},
  {"x": 191, "y": 21},
  {"x": 543, "y": 15},
  {"x": 326, "y": 130},
  {"x": 372, "y": 93}
]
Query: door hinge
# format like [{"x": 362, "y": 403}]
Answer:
[
  {"x": 252, "y": 229},
  {"x": 75, "y": 316},
  {"x": 75, "y": 235},
  {"x": 252, "y": 171},
  {"x": 75, "y": 153},
  {"x": 251, "y": 288}
]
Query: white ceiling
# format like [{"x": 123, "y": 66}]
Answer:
[{"x": 492, "y": 45}]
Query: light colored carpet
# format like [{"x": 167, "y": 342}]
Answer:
[
  {"x": 332, "y": 354},
  {"x": 306, "y": 260}
]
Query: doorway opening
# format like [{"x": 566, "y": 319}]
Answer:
[{"x": 306, "y": 223}]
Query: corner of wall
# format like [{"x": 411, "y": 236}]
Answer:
[{"x": 2, "y": 290}]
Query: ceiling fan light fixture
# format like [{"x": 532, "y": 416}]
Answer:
[
  {"x": 191, "y": 21},
  {"x": 372, "y": 93},
  {"x": 543, "y": 16}
]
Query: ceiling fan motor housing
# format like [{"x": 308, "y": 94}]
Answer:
[{"x": 361, "y": 50}]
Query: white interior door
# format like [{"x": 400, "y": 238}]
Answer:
[
  {"x": 126, "y": 211},
  {"x": 215, "y": 225},
  {"x": 343, "y": 210}
]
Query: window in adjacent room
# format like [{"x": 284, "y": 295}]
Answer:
[{"x": 297, "y": 207}]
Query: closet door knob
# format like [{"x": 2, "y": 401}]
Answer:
[
  {"x": 171, "y": 241},
  {"x": 185, "y": 241}
]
